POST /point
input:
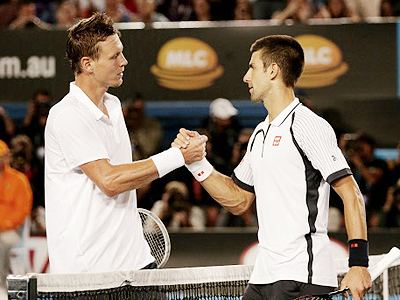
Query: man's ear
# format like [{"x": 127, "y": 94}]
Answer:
[
  {"x": 273, "y": 70},
  {"x": 87, "y": 64}
]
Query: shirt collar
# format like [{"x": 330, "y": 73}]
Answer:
[
  {"x": 83, "y": 98},
  {"x": 285, "y": 113}
]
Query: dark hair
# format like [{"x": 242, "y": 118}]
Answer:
[
  {"x": 286, "y": 52},
  {"x": 84, "y": 36}
]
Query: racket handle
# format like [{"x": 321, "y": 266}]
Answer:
[{"x": 384, "y": 263}]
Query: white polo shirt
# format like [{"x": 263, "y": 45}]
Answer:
[
  {"x": 289, "y": 164},
  {"x": 88, "y": 231}
]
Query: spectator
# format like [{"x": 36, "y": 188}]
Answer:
[
  {"x": 35, "y": 119},
  {"x": 200, "y": 196},
  {"x": 15, "y": 206},
  {"x": 248, "y": 218},
  {"x": 175, "y": 210},
  {"x": 364, "y": 9},
  {"x": 243, "y": 10},
  {"x": 223, "y": 128},
  {"x": 387, "y": 8},
  {"x": 88, "y": 7},
  {"x": 33, "y": 126},
  {"x": 66, "y": 14},
  {"x": 390, "y": 213},
  {"x": 46, "y": 10},
  {"x": 22, "y": 155},
  {"x": 146, "y": 136},
  {"x": 201, "y": 11},
  {"x": 176, "y": 10},
  {"x": 240, "y": 147},
  {"x": 372, "y": 175},
  {"x": 8, "y": 12},
  {"x": 25, "y": 161},
  {"x": 118, "y": 12},
  {"x": 297, "y": 10},
  {"x": 7, "y": 126},
  {"x": 336, "y": 9},
  {"x": 147, "y": 12},
  {"x": 26, "y": 17}
]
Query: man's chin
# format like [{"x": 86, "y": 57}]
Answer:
[
  {"x": 117, "y": 84},
  {"x": 255, "y": 100}
]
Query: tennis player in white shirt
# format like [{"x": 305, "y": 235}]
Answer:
[
  {"x": 90, "y": 180},
  {"x": 291, "y": 161}
]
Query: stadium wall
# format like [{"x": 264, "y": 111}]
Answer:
[{"x": 351, "y": 69}]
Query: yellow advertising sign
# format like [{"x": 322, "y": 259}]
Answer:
[
  {"x": 186, "y": 64},
  {"x": 323, "y": 62}
]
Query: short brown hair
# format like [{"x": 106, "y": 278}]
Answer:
[
  {"x": 84, "y": 36},
  {"x": 286, "y": 52}
]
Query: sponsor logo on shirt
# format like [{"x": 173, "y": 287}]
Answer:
[{"x": 277, "y": 140}]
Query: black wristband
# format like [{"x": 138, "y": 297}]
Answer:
[{"x": 358, "y": 253}]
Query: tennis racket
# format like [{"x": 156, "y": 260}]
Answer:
[
  {"x": 375, "y": 271},
  {"x": 156, "y": 236}
]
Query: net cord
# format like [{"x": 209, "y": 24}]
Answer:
[{"x": 171, "y": 276}]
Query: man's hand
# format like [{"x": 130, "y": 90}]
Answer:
[
  {"x": 192, "y": 145},
  {"x": 358, "y": 280},
  {"x": 182, "y": 139}
]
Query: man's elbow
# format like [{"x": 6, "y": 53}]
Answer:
[
  {"x": 109, "y": 188},
  {"x": 239, "y": 209}
]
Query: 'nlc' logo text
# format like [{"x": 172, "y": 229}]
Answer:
[
  {"x": 186, "y": 64},
  {"x": 323, "y": 61}
]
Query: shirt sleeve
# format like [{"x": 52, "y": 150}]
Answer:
[
  {"x": 242, "y": 175},
  {"x": 78, "y": 138},
  {"x": 318, "y": 141}
]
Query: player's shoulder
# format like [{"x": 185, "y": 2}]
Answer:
[
  {"x": 67, "y": 102},
  {"x": 304, "y": 115}
]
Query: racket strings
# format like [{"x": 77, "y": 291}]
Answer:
[{"x": 154, "y": 237}]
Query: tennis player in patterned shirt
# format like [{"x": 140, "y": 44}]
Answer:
[{"x": 291, "y": 161}]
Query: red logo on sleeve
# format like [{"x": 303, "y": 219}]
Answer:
[{"x": 277, "y": 140}]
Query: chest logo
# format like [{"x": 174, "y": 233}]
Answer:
[{"x": 277, "y": 140}]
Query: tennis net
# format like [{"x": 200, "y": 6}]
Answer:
[{"x": 203, "y": 283}]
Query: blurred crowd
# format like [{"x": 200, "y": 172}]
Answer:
[
  {"x": 48, "y": 14},
  {"x": 178, "y": 199}
]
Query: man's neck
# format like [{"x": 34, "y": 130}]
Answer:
[
  {"x": 277, "y": 101},
  {"x": 94, "y": 92}
]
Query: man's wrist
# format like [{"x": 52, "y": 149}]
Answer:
[
  {"x": 200, "y": 169},
  {"x": 358, "y": 253},
  {"x": 168, "y": 161}
]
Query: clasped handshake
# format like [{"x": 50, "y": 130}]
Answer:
[{"x": 192, "y": 145}]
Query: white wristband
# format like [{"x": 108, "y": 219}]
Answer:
[
  {"x": 168, "y": 160},
  {"x": 200, "y": 169}
]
